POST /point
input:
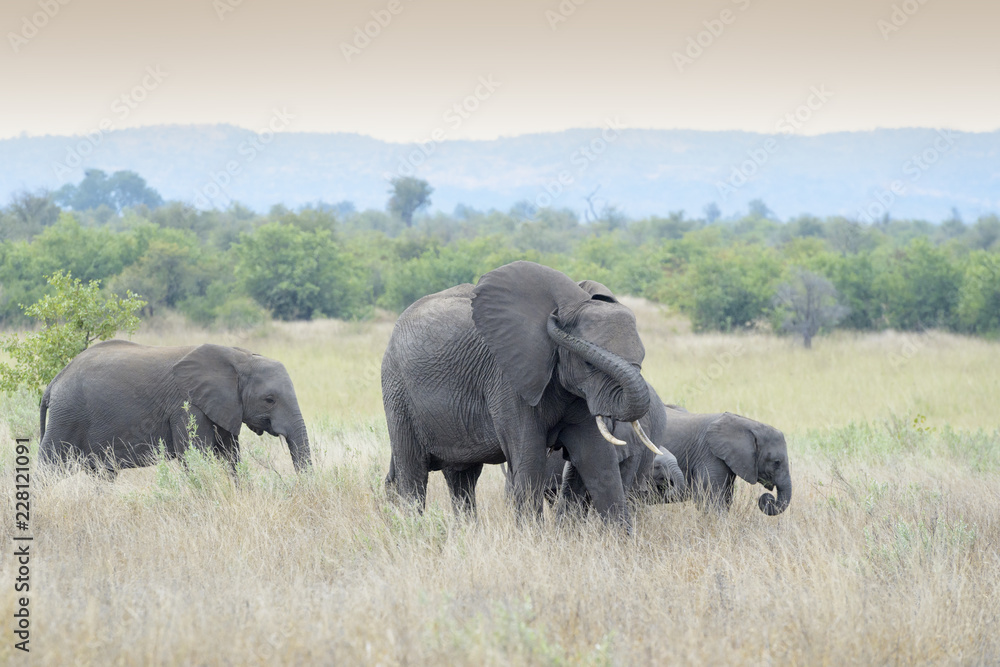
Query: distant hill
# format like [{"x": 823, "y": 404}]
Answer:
[{"x": 643, "y": 172}]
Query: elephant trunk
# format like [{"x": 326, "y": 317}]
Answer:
[
  {"x": 298, "y": 446},
  {"x": 632, "y": 402},
  {"x": 766, "y": 502},
  {"x": 669, "y": 464}
]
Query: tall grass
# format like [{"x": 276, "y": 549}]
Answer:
[{"x": 888, "y": 554}]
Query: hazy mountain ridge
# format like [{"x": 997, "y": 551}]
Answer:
[{"x": 641, "y": 171}]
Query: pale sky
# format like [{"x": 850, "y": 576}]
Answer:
[{"x": 235, "y": 61}]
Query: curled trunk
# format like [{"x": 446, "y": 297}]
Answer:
[
  {"x": 632, "y": 402},
  {"x": 767, "y": 503}
]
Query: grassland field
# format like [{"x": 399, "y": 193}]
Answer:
[{"x": 888, "y": 555}]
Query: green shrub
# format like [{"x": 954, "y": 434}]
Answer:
[{"x": 73, "y": 317}]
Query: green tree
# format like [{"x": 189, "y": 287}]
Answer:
[
  {"x": 298, "y": 274},
  {"x": 729, "y": 289},
  {"x": 172, "y": 268},
  {"x": 758, "y": 209},
  {"x": 87, "y": 253},
  {"x": 985, "y": 234},
  {"x": 409, "y": 195},
  {"x": 712, "y": 212},
  {"x": 854, "y": 277},
  {"x": 919, "y": 286},
  {"x": 656, "y": 228},
  {"x": 848, "y": 237},
  {"x": 28, "y": 214},
  {"x": 979, "y": 298},
  {"x": 122, "y": 190},
  {"x": 73, "y": 317},
  {"x": 438, "y": 268}
]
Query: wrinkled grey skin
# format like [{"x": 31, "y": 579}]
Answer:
[
  {"x": 635, "y": 460},
  {"x": 495, "y": 372},
  {"x": 711, "y": 451},
  {"x": 116, "y": 400}
]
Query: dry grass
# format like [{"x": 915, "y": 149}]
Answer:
[{"x": 888, "y": 554}]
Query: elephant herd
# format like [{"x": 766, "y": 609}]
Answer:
[{"x": 526, "y": 368}]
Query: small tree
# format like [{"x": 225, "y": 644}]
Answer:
[
  {"x": 712, "y": 212},
  {"x": 409, "y": 195},
  {"x": 123, "y": 189},
  {"x": 807, "y": 304},
  {"x": 27, "y": 215},
  {"x": 758, "y": 209},
  {"x": 74, "y": 316}
]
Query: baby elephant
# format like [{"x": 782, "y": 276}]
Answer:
[
  {"x": 117, "y": 401},
  {"x": 711, "y": 450}
]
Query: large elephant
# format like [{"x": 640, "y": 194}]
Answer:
[
  {"x": 494, "y": 372},
  {"x": 117, "y": 401},
  {"x": 711, "y": 451}
]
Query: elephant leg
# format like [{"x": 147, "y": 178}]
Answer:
[
  {"x": 712, "y": 492},
  {"x": 102, "y": 466},
  {"x": 527, "y": 458},
  {"x": 596, "y": 462},
  {"x": 227, "y": 448},
  {"x": 200, "y": 434},
  {"x": 462, "y": 484},
  {"x": 410, "y": 480},
  {"x": 54, "y": 453},
  {"x": 572, "y": 494},
  {"x": 407, "y": 476},
  {"x": 722, "y": 495}
]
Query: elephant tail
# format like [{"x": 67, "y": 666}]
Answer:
[{"x": 43, "y": 410}]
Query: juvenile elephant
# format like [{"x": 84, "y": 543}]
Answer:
[
  {"x": 641, "y": 463},
  {"x": 116, "y": 401},
  {"x": 494, "y": 372},
  {"x": 711, "y": 450}
]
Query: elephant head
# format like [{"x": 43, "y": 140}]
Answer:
[
  {"x": 233, "y": 386},
  {"x": 540, "y": 326},
  {"x": 754, "y": 451}
]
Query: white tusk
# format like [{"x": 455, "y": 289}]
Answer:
[
  {"x": 645, "y": 438},
  {"x": 603, "y": 428}
]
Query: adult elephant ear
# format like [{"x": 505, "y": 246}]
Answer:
[
  {"x": 209, "y": 375},
  {"x": 731, "y": 439},
  {"x": 597, "y": 291},
  {"x": 510, "y": 307}
]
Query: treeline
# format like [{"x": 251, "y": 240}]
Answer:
[{"x": 235, "y": 268}]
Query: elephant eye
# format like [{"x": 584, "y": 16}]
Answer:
[{"x": 269, "y": 400}]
